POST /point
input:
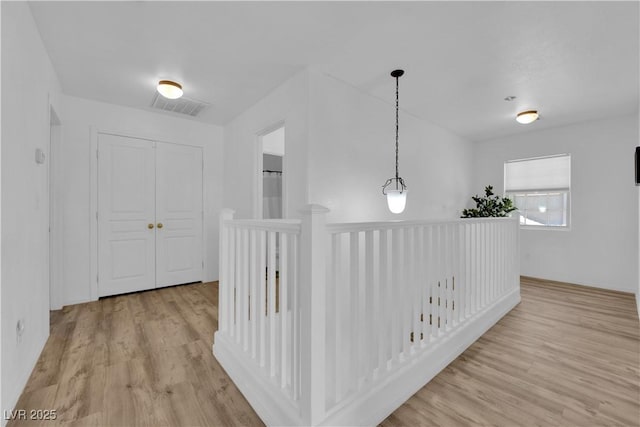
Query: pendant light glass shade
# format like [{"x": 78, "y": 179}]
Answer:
[
  {"x": 396, "y": 200},
  {"x": 169, "y": 89}
]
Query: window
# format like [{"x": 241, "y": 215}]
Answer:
[{"x": 541, "y": 190}]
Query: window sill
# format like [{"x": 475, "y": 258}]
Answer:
[{"x": 544, "y": 228}]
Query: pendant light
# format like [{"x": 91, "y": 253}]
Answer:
[
  {"x": 169, "y": 89},
  {"x": 396, "y": 197}
]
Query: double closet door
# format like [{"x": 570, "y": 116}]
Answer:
[{"x": 149, "y": 214}]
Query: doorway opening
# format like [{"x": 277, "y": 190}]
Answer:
[{"x": 272, "y": 198}]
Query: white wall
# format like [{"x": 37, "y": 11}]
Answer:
[
  {"x": 352, "y": 154},
  {"x": 289, "y": 104},
  {"x": 29, "y": 84},
  {"x": 81, "y": 115},
  {"x": 346, "y": 138},
  {"x": 601, "y": 249},
  {"x": 1, "y": 402}
]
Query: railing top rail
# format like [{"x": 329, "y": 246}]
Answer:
[
  {"x": 394, "y": 224},
  {"x": 280, "y": 225},
  {"x": 294, "y": 225}
]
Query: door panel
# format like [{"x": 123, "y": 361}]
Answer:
[
  {"x": 126, "y": 205},
  {"x": 179, "y": 210}
]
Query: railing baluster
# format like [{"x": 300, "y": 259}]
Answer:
[
  {"x": 271, "y": 313},
  {"x": 496, "y": 259},
  {"x": 385, "y": 296},
  {"x": 369, "y": 288},
  {"x": 354, "y": 257},
  {"x": 343, "y": 334},
  {"x": 469, "y": 250},
  {"x": 425, "y": 282},
  {"x": 407, "y": 303},
  {"x": 240, "y": 273},
  {"x": 437, "y": 299},
  {"x": 262, "y": 299},
  {"x": 504, "y": 246},
  {"x": 245, "y": 289},
  {"x": 485, "y": 268},
  {"x": 362, "y": 327},
  {"x": 495, "y": 262},
  {"x": 458, "y": 280},
  {"x": 396, "y": 300},
  {"x": 295, "y": 366},
  {"x": 332, "y": 321},
  {"x": 455, "y": 269},
  {"x": 477, "y": 270},
  {"x": 283, "y": 309},
  {"x": 462, "y": 250},
  {"x": 468, "y": 230},
  {"x": 448, "y": 276},
  {"x": 489, "y": 261},
  {"x": 253, "y": 296},
  {"x": 232, "y": 282},
  {"x": 416, "y": 288}
]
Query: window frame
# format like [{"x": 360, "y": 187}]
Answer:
[
  {"x": 511, "y": 194},
  {"x": 523, "y": 214}
]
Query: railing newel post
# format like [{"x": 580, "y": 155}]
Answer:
[
  {"x": 312, "y": 313},
  {"x": 223, "y": 273}
]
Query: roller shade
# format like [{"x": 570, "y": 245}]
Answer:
[{"x": 543, "y": 173}]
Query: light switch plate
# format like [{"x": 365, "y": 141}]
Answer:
[{"x": 39, "y": 156}]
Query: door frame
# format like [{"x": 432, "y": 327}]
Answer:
[
  {"x": 55, "y": 209},
  {"x": 93, "y": 203},
  {"x": 258, "y": 167}
]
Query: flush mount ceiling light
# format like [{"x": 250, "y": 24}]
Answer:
[
  {"x": 396, "y": 197},
  {"x": 526, "y": 117},
  {"x": 169, "y": 89}
]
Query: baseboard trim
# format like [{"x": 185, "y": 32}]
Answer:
[
  {"x": 559, "y": 282},
  {"x": 272, "y": 408}
]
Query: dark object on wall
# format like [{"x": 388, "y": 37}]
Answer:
[{"x": 637, "y": 165}]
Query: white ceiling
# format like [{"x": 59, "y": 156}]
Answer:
[{"x": 572, "y": 61}]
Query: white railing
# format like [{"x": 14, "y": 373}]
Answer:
[
  {"x": 258, "y": 298},
  {"x": 359, "y": 316}
]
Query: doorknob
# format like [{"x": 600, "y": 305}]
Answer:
[
  {"x": 150, "y": 226},
  {"x": 160, "y": 225}
]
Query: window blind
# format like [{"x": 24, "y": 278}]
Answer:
[{"x": 544, "y": 173}]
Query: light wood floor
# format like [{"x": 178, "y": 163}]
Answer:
[{"x": 567, "y": 355}]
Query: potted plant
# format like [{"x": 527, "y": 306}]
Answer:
[{"x": 489, "y": 206}]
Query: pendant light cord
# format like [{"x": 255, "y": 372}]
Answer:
[
  {"x": 400, "y": 185},
  {"x": 397, "y": 116}
]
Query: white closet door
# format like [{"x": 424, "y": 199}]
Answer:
[
  {"x": 126, "y": 206},
  {"x": 178, "y": 214}
]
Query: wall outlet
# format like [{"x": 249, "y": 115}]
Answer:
[{"x": 19, "y": 330}]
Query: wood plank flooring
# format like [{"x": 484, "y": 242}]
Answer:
[{"x": 566, "y": 356}]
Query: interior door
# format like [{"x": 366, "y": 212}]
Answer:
[
  {"x": 179, "y": 214},
  {"x": 126, "y": 206}
]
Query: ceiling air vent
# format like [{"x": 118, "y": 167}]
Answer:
[{"x": 184, "y": 105}]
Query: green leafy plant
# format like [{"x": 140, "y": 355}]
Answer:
[{"x": 489, "y": 206}]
